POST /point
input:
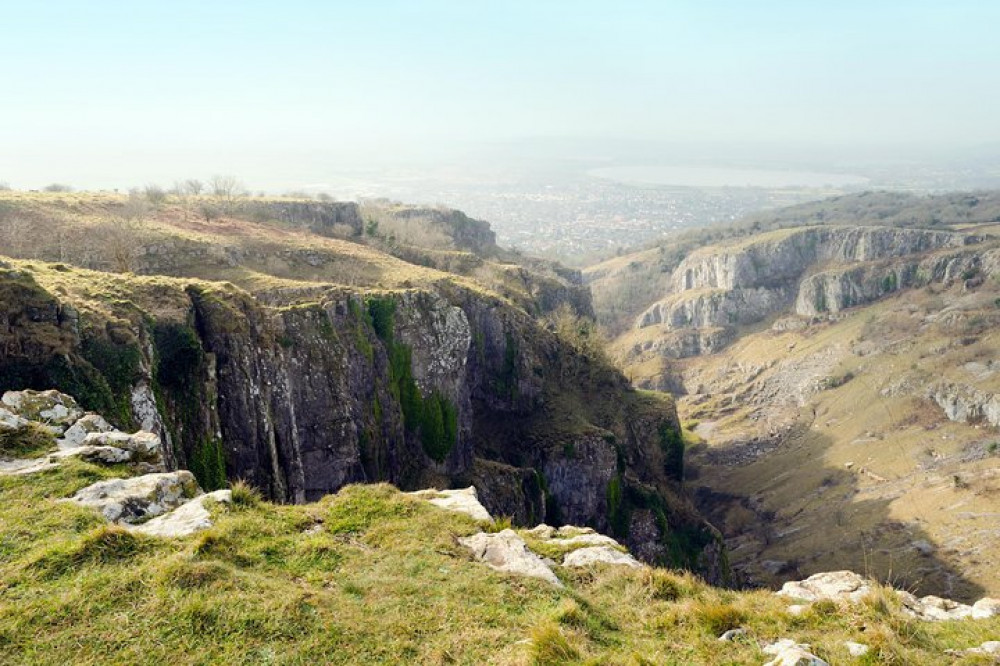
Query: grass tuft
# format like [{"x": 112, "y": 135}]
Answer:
[
  {"x": 550, "y": 647},
  {"x": 245, "y": 495}
]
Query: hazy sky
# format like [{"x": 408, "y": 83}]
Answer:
[{"x": 100, "y": 93}]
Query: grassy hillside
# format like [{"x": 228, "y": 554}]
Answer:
[
  {"x": 825, "y": 450},
  {"x": 372, "y": 576}
]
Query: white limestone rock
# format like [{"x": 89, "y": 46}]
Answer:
[
  {"x": 986, "y": 608},
  {"x": 85, "y": 425},
  {"x": 50, "y": 407},
  {"x": 143, "y": 445},
  {"x": 787, "y": 652},
  {"x": 11, "y": 421},
  {"x": 138, "y": 498},
  {"x": 464, "y": 500},
  {"x": 505, "y": 551},
  {"x": 105, "y": 455},
  {"x": 583, "y": 557},
  {"x": 856, "y": 649},
  {"x": 833, "y": 585},
  {"x": 186, "y": 519}
]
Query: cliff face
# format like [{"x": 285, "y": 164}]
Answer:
[
  {"x": 435, "y": 386},
  {"x": 810, "y": 271}
]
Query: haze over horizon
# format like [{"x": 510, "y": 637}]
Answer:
[{"x": 111, "y": 94}]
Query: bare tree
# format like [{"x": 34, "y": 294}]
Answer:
[
  {"x": 227, "y": 189},
  {"x": 4, "y": 186},
  {"x": 155, "y": 194},
  {"x": 192, "y": 186},
  {"x": 15, "y": 232}
]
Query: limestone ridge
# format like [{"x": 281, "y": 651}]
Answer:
[
  {"x": 810, "y": 271},
  {"x": 439, "y": 386}
]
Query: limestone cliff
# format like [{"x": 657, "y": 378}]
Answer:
[
  {"x": 314, "y": 389},
  {"x": 811, "y": 271}
]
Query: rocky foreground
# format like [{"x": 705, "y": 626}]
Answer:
[{"x": 148, "y": 501}]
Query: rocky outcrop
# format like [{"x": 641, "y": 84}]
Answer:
[
  {"x": 464, "y": 500},
  {"x": 507, "y": 552},
  {"x": 139, "y": 498},
  {"x": 966, "y": 404},
  {"x": 190, "y": 517},
  {"x": 849, "y": 587},
  {"x": 730, "y": 286},
  {"x": 585, "y": 557},
  {"x": 49, "y": 407}
]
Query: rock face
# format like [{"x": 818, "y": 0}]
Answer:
[
  {"x": 505, "y": 551},
  {"x": 138, "y": 498},
  {"x": 431, "y": 387},
  {"x": 966, "y": 403},
  {"x": 727, "y": 286}
]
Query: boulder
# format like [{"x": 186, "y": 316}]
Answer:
[
  {"x": 833, "y": 585},
  {"x": 85, "y": 425},
  {"x": 933, "y": 608},
  {"x": 986, "y": 608},
  {"x": 787, "y": 652},
  {"x": 11, "y": 421},
  {"x": 138, "y": 498},
  {"x": 186, "y": 519},
  {"x": 732, "y": 635},
  {"x": 583, "y": 557},
  {"x": 143, "y": 445},
  {"x": 51, "y": 407},
  {"x": 464, "y": 500},
  {"x": 505, "y": 551}
]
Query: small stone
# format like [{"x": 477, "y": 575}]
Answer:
[
  {"x": 789, "y": 653},
  {"x": 856, "y": 649},
  {"x": 797, "y": 609},
  {"x": 542, "y": 531},
  {"x": 732, "y": 635}
]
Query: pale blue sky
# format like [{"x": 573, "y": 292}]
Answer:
[{"x": 102, "y": 93}]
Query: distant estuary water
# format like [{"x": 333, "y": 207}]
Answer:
[{"x": 680, "y": 176}]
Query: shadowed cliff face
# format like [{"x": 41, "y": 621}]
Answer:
[{"x": 432, "y": 387}]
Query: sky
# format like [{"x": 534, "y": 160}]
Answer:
[{"x": 103, "y": 94}]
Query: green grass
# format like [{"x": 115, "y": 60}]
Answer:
[
  {"x": 31, "y": 441},
  {"x": 376, "y": 577}
]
